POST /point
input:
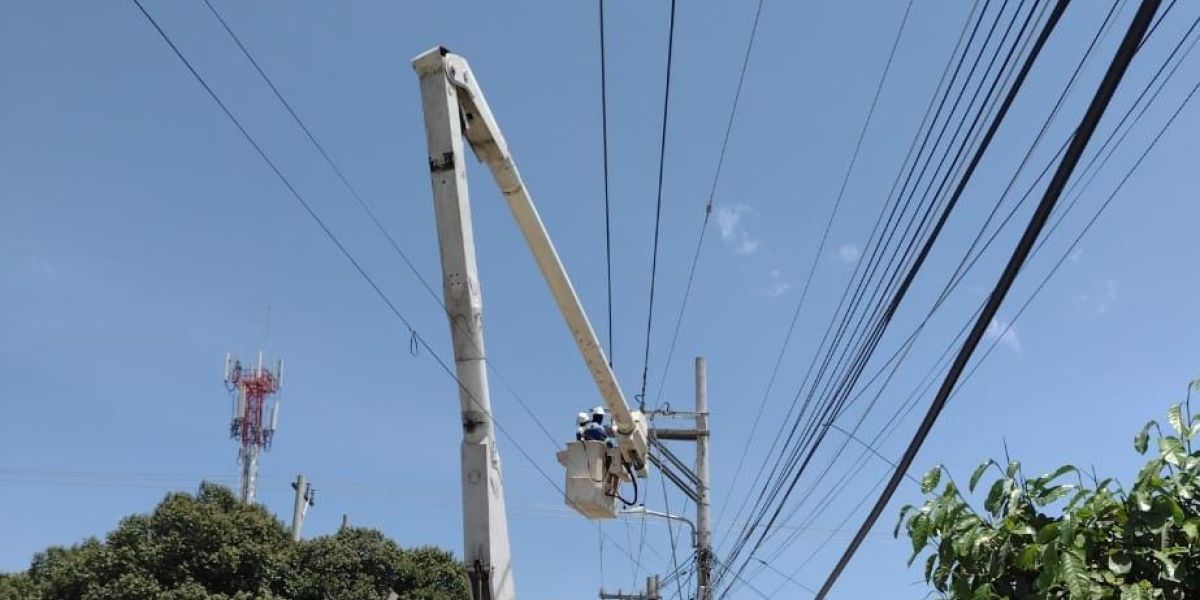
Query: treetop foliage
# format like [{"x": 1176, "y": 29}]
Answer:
[
  {"x": 209, "y": 546},
  {"x": 1068, "y": 534}
]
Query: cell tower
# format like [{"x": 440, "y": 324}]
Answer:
[{"x": 251, "y": 391}]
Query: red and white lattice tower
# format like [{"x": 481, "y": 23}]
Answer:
[{"x": 252, "y": 389}]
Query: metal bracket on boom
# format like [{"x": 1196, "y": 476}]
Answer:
[{"x": 480, "y": 129}]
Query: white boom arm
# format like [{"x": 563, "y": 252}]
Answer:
[
  {"x": 481, "y": 130},
  {"x": 454, "y": 107}
]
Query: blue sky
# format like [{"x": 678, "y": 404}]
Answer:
[{"x": 141, "y": 239}]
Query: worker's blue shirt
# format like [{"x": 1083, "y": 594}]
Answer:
[{"x": 595, "y": 432}]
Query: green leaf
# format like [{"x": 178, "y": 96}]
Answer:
[
  {"x": 1171, "y": 450},
  {"x": 1048, "y": 532},
  {"x": 1138, "y": 591},
  {"x": 904, "y": 510},
  {"x": 1119, "y": 563},
  {"x": 1169, "y": 564},
  {"x": 1141, "y": 441},
  {"x": 995, "y": 494},
  {"x": 978, "y": 473},
  {"x": 1191, "y": 528},
  {"x": 1075, "y": 575},
  {"x": 1175, "y": 418},
  {"x": 1028, "y": 558},
  {"x": 931, "y": 479},
  {"x": 1049, "y": 496},
  {"x": 930, "y": 563},
  {"x": 1014, "y": 467}
]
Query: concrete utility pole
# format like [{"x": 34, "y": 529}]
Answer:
[
  {"x": 694, "y": 483},
  {"x": 651, "y": 592},
  {"x": 704, "y": 554},
  {"x": 304, "y": 499}
]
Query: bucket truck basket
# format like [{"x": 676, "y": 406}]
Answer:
[{"x": 594, "y": 474}]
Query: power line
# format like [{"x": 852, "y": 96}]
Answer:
[
  {"x": 814, "y": 433},
  {"x": 662, "y": 155},
  {"x": 925, "y": 119},
  {"x": 708, "y": 207},
  {"x": 347, "y": 255},
  {"x": 1087, "y": 128},
  {"x": 909, "y": 404},
  {"x": 366, "y": 208},
  {"x": 607, "y": 211},
  {"x": 770, "y": 490},
  {"x": 820, "y": 248}
]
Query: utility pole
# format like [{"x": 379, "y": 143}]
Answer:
[
  {"x": 693, "y": 482},
  {"x": 704, "y": 555},
  {"x": 651, "y": 592},
  {"x": 304, "y": 499}
]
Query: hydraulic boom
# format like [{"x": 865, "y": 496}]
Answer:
[{"x": 455, "y": 108}]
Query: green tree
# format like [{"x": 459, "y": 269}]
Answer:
[
  {"x": 1068, "y": 534},
  {"x": 211, "y": 547}
]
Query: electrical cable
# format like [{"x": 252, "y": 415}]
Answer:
[
  {"x": 820, "y": 248},
  {"x": 946, "y": 71},
  {"x": 607, "y": 211},
  {"x": 708, "y": 207},
  {"x": 910, "y": 403},
  {"x": 831, "y": 408},
  {"x": 662, "y": 155},
  {"x": 846, "y": 388},
  {"x": 344, "y": 251},
  {"x": 868, "y": 273},
  {"x": 366, "y": 208},
  {"x": 1088, "y": 124}
]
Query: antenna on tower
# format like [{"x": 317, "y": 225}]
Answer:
[{"x": 251, "y": 393}]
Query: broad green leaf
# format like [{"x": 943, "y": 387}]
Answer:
[
  {"x": 1049, "y": 496},
  {"x": 995, "y": 494},
  {"x": 1137, "y": 591},
  {"x": 1014, "y": 467},
  {"x": 1119, "y": 563},
  {"x": 1059, "y": 472},
  {"x": 1048, "y": 532},
  {"x": 979, "y": 471},
  {"x": 904, "y": 510},
  {"x": 1075, "y": 575},
  {"x": 1171, "y": 450},
  {"x": 1028, "y": 558},
  {"x": 1175, "y": 418},
  {"x": 1191, "y": 528},
  {"x": 1141, "y": 441},
  {"x": 930, "y": 480},
  {"x": 1142, "y": 500},
  {"x": 929, "y": 565},
  {"x": 1169, "y": 564}
]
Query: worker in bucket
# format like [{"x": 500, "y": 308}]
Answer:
[
  {"x": 595, "y": 431},
  {"x": 581, "y": 421}
]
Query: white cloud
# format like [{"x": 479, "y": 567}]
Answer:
[
  {"x": 1098, "y": 303},
  {"x": 778, "y": 285},
  {"x": 1005, "y": 332},
  {"x": 1108, "y": 298},
  {"x": 733, "y": 230},
  {"x": 849, "y": 253}
]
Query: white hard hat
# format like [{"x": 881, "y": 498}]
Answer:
[
  {"x": 582, "y": 418},
  {"x": 599, "y": 410}
]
